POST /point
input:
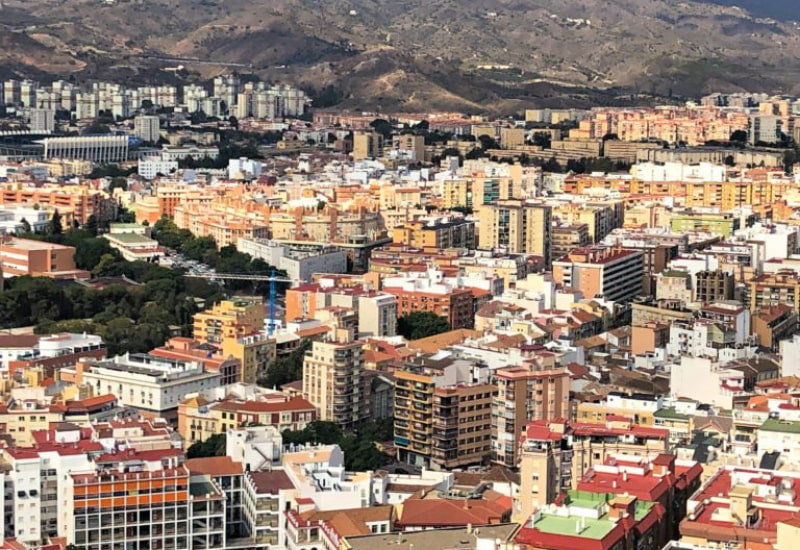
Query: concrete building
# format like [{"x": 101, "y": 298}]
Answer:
[
  {"x": 152, "y": 166},
  {"x": 535, "y": 391},
  {"x": 763, "y": 128},
  {"x": 13, "y": 218},
  {"x": 367, "y": 145},
  {"x": 147, "y": 127},
  {"x": 556, "y": 456},
  {"x": 442, "y": 412},
  {"x": 377, "y": 315},
  {"x": 734, "y": 492},
  {"x": 42, "y": 121},
  {"x": 99, "y": 149},
  {"x": 153, "y": 385},
  {"x": 516, "y": 226},
  {"x": 334, "y": 381},
  {"x": 457, "y": 305},
  {"x": 436, "y": 233},
  {"x": 39, "y": 259},
  {"x": 567, "y": 238},
  {"x": 299, "y": 262},
  {"x": 614, "y": 273}
]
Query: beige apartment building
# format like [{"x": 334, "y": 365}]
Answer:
[
  {"x": 516, "y": 226},
  {"x": 333, "y": 380},
  {"x": 367, "y": 145},
  {"x": 442, "y": 419},
  {"x": 436, "y": 233},
  {"x": 327, "y": 226},
  {"x": 555, "y": 456},
  {"x": 526, "y": 393},
  {"x": 614, "y": 273}
]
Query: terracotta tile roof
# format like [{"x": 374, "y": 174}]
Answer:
[
  {"x": 444, "y": 513},
  {"x": 271, "y": 482},
  {"x": 432, "y": 344},
  {"x": 215, "y": 466}
]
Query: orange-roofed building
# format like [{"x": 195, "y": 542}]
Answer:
[{"x": 199, "y": 418}]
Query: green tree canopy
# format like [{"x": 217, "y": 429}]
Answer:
[
  {"x": 213, "y": 446},
  {"x": 421, "y": 324}
]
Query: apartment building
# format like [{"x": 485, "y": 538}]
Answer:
[
  {"x": 614, "y": 273},
  {"x": 48, "y": 352},
  {"x": 212, "y": 359},
  {"x": 237, "y": 328},
  {"x": 639, "y": 409},
  {"x": 153, "y": 385},
  {"x": 147, "y": 500},
  {"x": 377, "y": 312},
  {"x": 20, "y": 257},
  {"x": 556, "y": 455},
  {"x": 601, "y": 218},
  {"x": 567, "y": 238},
  {"x": 436, "y": 233},
  {"x": 77, "y": 201},
  {"x": 442, "y": 412},
  {"x": 147, "y": 128},
  {"x": 534, "y": 391},
  {"x": 334, "y": 381},
  {"x": 377, "y": 315},
  {"x": 456, "y": 305},
  {"x": 772, "y": 289},
  {"x": 713, "y": 286},
  {"x": 367, "y": 145},
  {"x": 737, "y": 503},
  {"x": 516, "y": 226},
  {"x": 200, "y": 417}
]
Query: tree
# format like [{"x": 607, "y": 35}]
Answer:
[
  {"x": 286, "y": 369},
  {"x": 213, "y": 446},
  {"x": 382, "y": 126},
  {"x": 26, "y": 226},
  {"x": 91, "y": 225},
  {"x": 739, "y": 136},
  {"x": 118, "y": 182},
  {"x": 55, "y": 227},
  {"x": 488, "y": 142},
  {"x": 421, "y": 324}
]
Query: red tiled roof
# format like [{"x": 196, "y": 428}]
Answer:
[
  {"x": 271, "y": 482},
  {"x": 215, "y": 466},
  {"x": 443, "y": 512}
]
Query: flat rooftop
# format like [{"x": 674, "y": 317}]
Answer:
[
  {"x": 438, "y": 539},
  {"x": 129, "y": 238},
  {"x": 31, "y": 244}
]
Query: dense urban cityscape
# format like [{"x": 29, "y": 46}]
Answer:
[{"x": 232, "y": 319}]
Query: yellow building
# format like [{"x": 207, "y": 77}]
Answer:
[
  {"x": 459, "y": 233},
  {"x": 229, "y": 319},
  {"x": 199, "y": 418},
  {"x": 456, "y": 194},
  {"x": 20, "y": 419},
  {"x": 367, "y": 145},
  {"x": 255, "y": 351},
  {"x": 237, "y": 328},
  {"x": 516, "y": 226}
]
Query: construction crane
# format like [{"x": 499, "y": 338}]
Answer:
[{"x": 273, "y": 288}]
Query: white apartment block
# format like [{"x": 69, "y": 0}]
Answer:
[
  {"x": 145, "y": 381},
  {"x": 299, "y": 263}
]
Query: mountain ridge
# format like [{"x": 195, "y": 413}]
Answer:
[{"x": 497, "y": 55}]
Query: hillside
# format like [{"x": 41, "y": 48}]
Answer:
[{"x": 413, "y": 54}]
